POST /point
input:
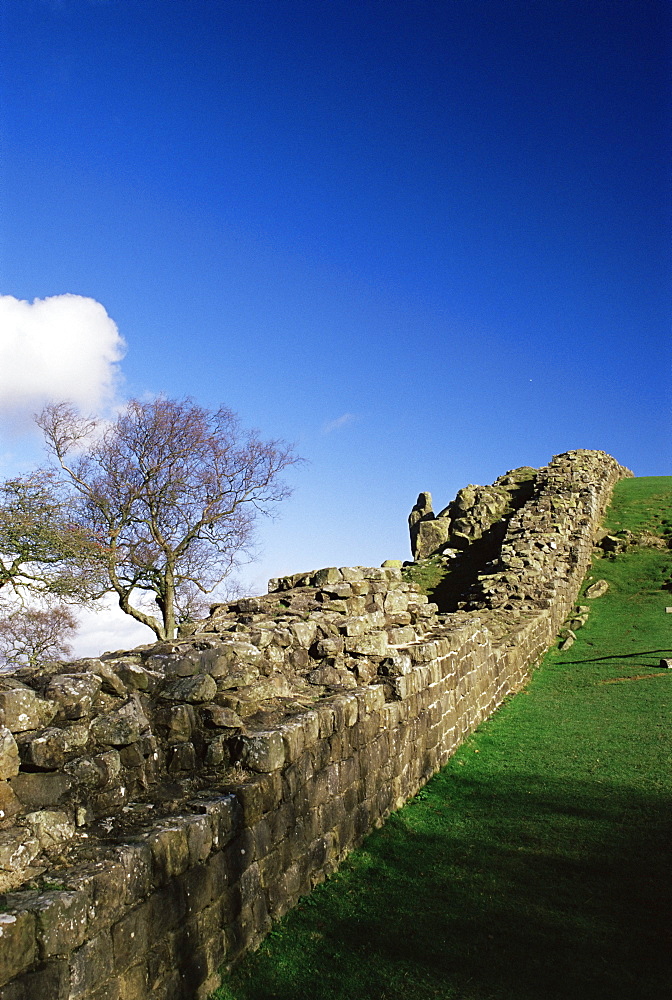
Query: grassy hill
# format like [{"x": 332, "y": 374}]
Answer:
[{"x": 536, "y": 865}]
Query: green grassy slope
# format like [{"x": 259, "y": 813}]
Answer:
[{"x": 537, "y": 863}]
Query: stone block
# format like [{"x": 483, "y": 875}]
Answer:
[
  {"x": 37, "y": 791},
  {"x": 304, "y": 632},
  {"x": 98, "y": 772},
  {"x": 53, "y": 828},
  {"x": 346, "y": 707},
  {"x": 330, "y": 647},
  {"x": 203, "y": 883},
  {"x": 90, "y": 966},
  {"x": 194, "y": 690},
  {"x": 133, "y": 984},
  {"x": 121, "y": 726},
  {"x": 224, "y": 814},
  {"x": 111, "y": 683},
  {"x": 168, "y": 907},
  {"x": 401, "y": 636},
  {"x": 9, "y": 804},
  {"x": 261, "y": 751},
  {"x": 22, "y": 710},
  {"x": 103, "y": 883},
  {"x": 51, "y": 980},
  {"x": 18, "y": 947},
  {"x": 131, "y": 937},
  {"x": 395, "y": 601},
  {"x": 199, "y": 837},
  {"x": 9, "y": 754},
  {"x": 181, "y": 758},
  {"x": 326, "y": 576},
  {"x": 597, "y": 589},
  {"x": 74, "y": 694},
  {"x": 373, "y": 644},
  {"x": 18, "y": 849},
  {"x": 50, "y": 748},
  {"x": 311, "y": 727},
  {"x": 61, "y": 922},
  {"x": 134, "y": 677},
  {"x": 293, "y": 739},
  {"x": 170, "y": 851},
  {"x": 373, "y": 700}
]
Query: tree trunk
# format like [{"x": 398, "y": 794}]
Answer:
[{"x": 168, "y": 605}]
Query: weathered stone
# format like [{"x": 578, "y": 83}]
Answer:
[
  {"x": 401, "y": 636},
  {"x": 260, "y": 751},
  {"x": 431, "y": 537},
  {"x": 18, "y": 948},
  {"x": 90, "y": 966},
  {"x": 50, "y": 748},
  {"x": 330, "y": 647},
  {"x": 170, "y": 851},
  {"x": 217, "y": 715},
  {"x": 183, "y": 666},
  {"x": 61, "y": 919},
  {"x": 362, "y": 624},
  {"x": 374, "y": 644},
  {"x": 326, "y": 576},
  {"x": 299, "y": 659},
  {"x": 18, "y": 850},
  {"x": 9, "y": 754},
  {"x": 9, "y": 804},
  {"x": 304, "y": 632},
  {"x": 182, "y": 757},
  {"x": 111, "y": 683},
  {"x": 396, "y": 665},
  {"x": 331, "y": 676},
  {"x": 134, "y": 677},
  {"x": 395, "y": 601},
  {"x": 180, "y": 721},
  {"x": 37, "y": 790},
  {"x": 121, "y": 726},
  {"x": 197, "y": 689},
  {"x": 597, "y": 589},
  {"x": 243, "y": 674},
  {"x": 53, "y": 828},
  {"x": 74, "y": 694},
  {"x": 96, "y": 772},
  {"x": 50, "y": 979},
  {"x": 22, "y": 710}
]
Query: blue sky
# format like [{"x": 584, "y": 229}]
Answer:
[{"x": 426, "y": 241}]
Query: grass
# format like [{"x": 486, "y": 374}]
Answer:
[
  {"x": 536, "y": 865},
  {"x": 427, "y": 574},
  {"x": 641, "y": 505}
]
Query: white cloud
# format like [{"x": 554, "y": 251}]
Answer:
[
  {"x": 107, "y": 628},
  {"x": 65, "y": 347},
  {"x": 341, "y": 421}
]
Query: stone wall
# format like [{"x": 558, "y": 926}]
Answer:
[{"x": 160, "y": 808}]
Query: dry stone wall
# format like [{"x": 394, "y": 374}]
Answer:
[{"x": 160, "y": 807}]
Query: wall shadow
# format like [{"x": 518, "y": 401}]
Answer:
[{"x": 507, "y": 889}]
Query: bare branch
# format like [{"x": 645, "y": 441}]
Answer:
[
  {"x": 171, "y": 491},
  {"x": 31, "y": 635}
]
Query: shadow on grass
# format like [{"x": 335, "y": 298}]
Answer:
[
  {"x": 515, "y": 889},
  {"x": 617, "y": 656}
]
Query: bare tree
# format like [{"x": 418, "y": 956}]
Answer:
[
  {"x": 30, "y": 635},
  {"x": 171, "y": 492},
  {"x": 43, "y": 548}
]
